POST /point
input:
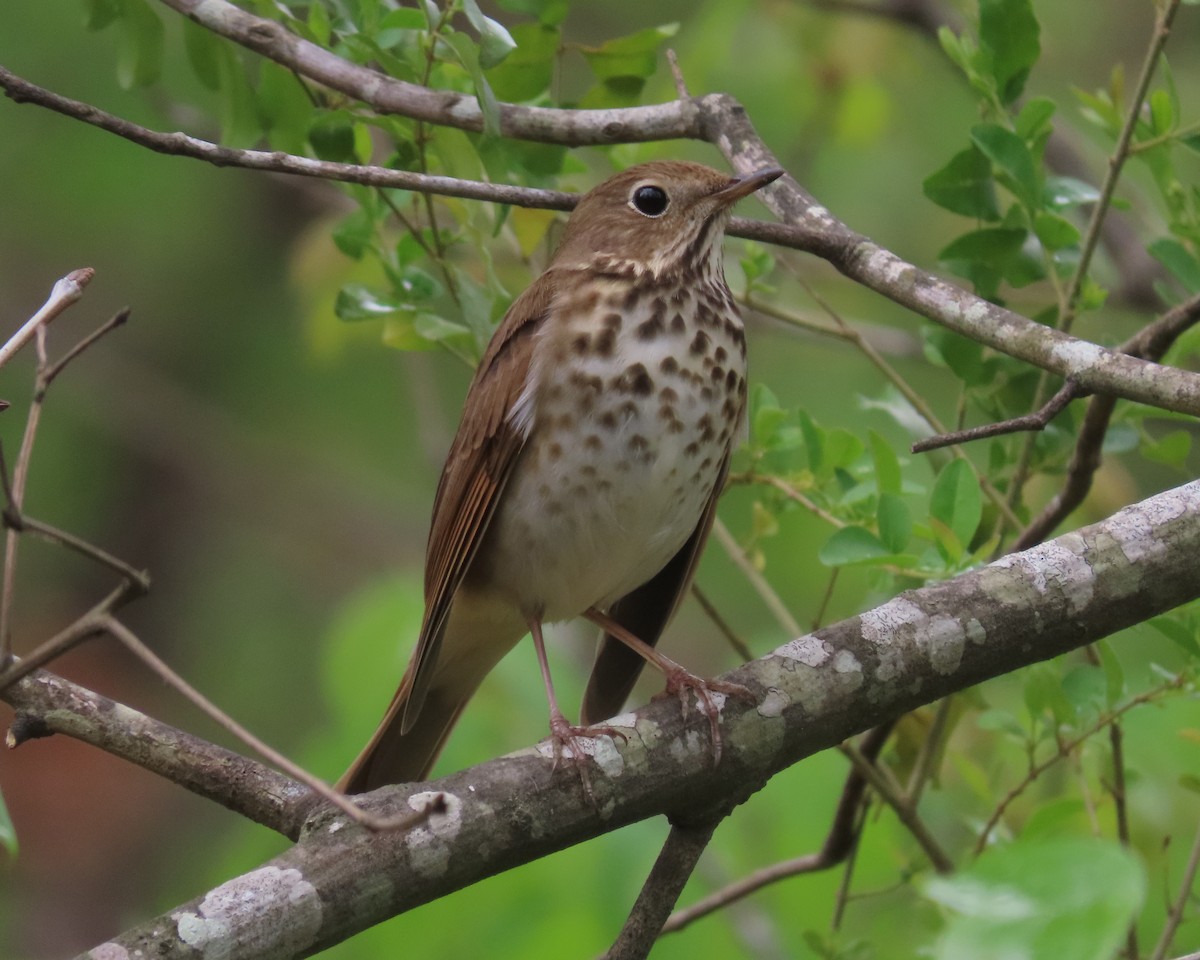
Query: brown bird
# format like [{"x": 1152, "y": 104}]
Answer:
[{"x": 584, "y": 476}]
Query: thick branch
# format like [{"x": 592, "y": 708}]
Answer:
[
  {"x": 667, "y": 121},
  {"x": 811, "y": 693},
  {"x": 49, "y": 704}
]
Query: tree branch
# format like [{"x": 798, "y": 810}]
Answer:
[{"x": 812, "y": 693}]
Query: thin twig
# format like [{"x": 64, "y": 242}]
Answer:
[
  {"x": 1150, "y": 343},
  {"x": 1175, "y": 915},
  {"x": 88, "y": 625},
  {"x": 364, "y": 817},
  {"x": 765, "y": 591},
  {"x": 1064, "y": 749},
  {"x": 1091, "y": 234},
  {"x": 739, "y": 645},
  {"x": 65, "y": 292},
  {"x": 1120, "y": 797},
  {"x": 839, "y": 843},
  {"x": 925, "y": 763},
  {"x": 681, "y": 90},
  {"x": 674, "y": 866},
  {"x": 905, "y": 810},
  {"x": 116, "y": 320},
  {"x": 1035, "y": 422},
  {"x": 844, "y": 331}
]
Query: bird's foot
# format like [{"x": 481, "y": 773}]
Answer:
[
  {"x": 576, "y": 745},
  {"x": 680, "y": 683}
]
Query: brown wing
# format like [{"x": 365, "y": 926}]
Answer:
[
  {"x": 477, "y": 468},
  {"x": 645, "y": 612}
]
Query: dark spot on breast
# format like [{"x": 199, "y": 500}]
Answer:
[
  {"x": 650, "y": 329},
  {"x": 717, "y": 374},
  {"x": 691, "y": 450},
  {"x": 554, "y": 450},
  {"x": 581, "y": 343},
  {"x": 668, "y": 394},
  {"x": 707, "y": 394},
  {"x": 587, "y": 470},
  {"x": 637, "y": 443},
  {"x": 669, "y": 365},
  {"x": 612, "y": 321},
  {"x": 679, "y": 296},
  {"x": 721, "y": 355},
  {"x": 635, "y": 379},
  {"x": 700, "y": 343},
  {"x": 731, "y": 380},
  {"x": 678, "y": 324},
  {"x": 632, "y": 296},
  {"x": 606, "y": 341},
  {"x": 608, "y": 420},
  {"x": 628, "y": 410},
  {"x": 592, "y": 442}
]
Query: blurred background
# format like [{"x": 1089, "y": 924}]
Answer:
[{"x": 273, "y": 468}]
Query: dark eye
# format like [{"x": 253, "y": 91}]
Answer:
[{"x": 650, "y": 201}]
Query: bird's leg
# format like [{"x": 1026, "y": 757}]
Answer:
[
  {"x": 679, "y": 679},
  {"x": 563, "y": 731}
]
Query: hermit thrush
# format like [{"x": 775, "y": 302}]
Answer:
[{"x": 584, "y": 477}]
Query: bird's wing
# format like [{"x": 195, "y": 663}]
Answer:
[{"x": 481, "y": 458}]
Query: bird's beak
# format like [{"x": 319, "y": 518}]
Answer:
[{"x": 740, "y": 187}]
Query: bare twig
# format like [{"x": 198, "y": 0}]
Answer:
[
  {"x": 364, "y": 817},
  {"x": 1120, "y": 797},
  {"x": 1091, "y": 234},
  {"x": 681, "y": 90},
  {"x": 1151, "y": 343},
  {"x": 661, "y": 890},
  {"x": 1064, "y": 748},
  {"x": 1175, "y": 915},
  {"x": 839, "y": 843},
  {"x": 47, "y": 704},
  {"x": 65, "y": 292},
  {"x": 739, "y": 645},
  {"x": 1031, "y": 421},
  {"x": 764, "y": 589},
  {"x": 903, "y": 806}
]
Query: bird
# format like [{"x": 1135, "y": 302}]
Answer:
[{"x": 583, "y": 478}]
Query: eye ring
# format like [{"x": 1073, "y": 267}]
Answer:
[{"x": 650, "y": 200}]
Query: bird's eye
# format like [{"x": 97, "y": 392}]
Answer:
[{"x": 650, "y": 201}]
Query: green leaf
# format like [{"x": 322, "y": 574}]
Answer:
[
  {"x": 1061, "y": 192},
  {"x": 991, "y": 244},
  {"x": 895, "y": 522},
  {"x": 100, "y": 13},
  {"x": 1162, "y": 113},
  {"x": 549, "y": 12},
  {"x": 962, "y": 355},
  {"x": 1010, "y": 154},
  {"x": 332, "y": 137},
  {"x": 1034, "y": 116},
  {"x": 526, "y": 73},
  {"x": 495, "y": 42},
  {"x": 8, "y": 833},
  {"x": 1055, "y": 232},
  {"x": 1182, "y": 635},
  {"x": 1171, "y": 449},
  {"x": 354, "y": 234},
  {"x": 887, "y": 466},
  {"x": 356, "y": 301},
  {"x": 1175, "y": 257},
  {"x": 285, "y": 108},
  {"x": 964, "y": 185},
  {"x": 766, "y": 416},
  {"x": 633, "y": 56},
  {"x": 139, "y": 61},
  {"x": 1040, "y": 898},
  {"x": 469, "y": 57},
  {"x": 318, "y": 23},
  {"x": 814, "y": 441},
  {"x": 203, "y": 49},
  {"x": 851, "y": 545},
  {"x": 956, "y": 500},
  {"x": 1009, "y": 39}
]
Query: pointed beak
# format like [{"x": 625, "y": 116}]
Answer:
[{"x": 740, "y": 187}]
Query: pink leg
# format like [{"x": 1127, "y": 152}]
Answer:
[
  {"x": 563, "y": 731},
  {"x": 679, "y": 680}
]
